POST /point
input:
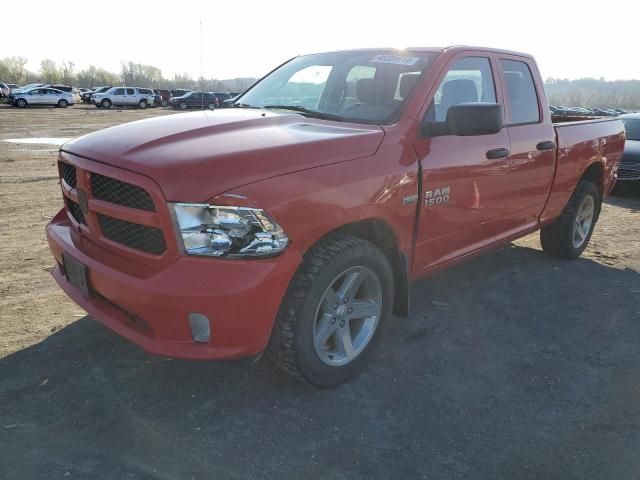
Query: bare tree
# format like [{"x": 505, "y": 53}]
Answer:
[
  {"x": 16, "y": 71},
  {"x": 68, "y": 77},
  {"x": 49, "y": 71}
]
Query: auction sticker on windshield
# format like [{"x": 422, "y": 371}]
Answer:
[{"x": 397, "y": 59}]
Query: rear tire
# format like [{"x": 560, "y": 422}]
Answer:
[
  {"x": 106, "y": 103},
  {"x": 333, "y": 312},
  {"x": 569, "y": 235}
]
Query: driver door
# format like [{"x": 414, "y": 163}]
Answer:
[
  {"x": 463, "y": 177},
  {"x": 36, "y": 97}
]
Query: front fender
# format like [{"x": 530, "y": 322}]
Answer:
[{"x": 311, "y": 203}]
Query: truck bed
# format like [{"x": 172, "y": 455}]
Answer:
[
  {"x": 562, "y": 119},
  {"x": 580, "y": 141}
]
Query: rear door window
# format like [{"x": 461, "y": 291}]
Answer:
[
  {"x": 522, "y": 98},
  {"x": 119, "y": 91},
  {"x": 131, "y": 91}
]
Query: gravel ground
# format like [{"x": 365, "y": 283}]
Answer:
[{"x": 512, "y": 365}]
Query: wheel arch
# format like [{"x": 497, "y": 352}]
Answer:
[
  {"x": 380, "y": 233},
  {"x": 595, "y": 174}
]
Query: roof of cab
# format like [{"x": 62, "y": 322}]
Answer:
[{"x": 449, "y": 49}]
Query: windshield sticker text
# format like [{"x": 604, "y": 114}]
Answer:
[{"x": 395, "y": 59}]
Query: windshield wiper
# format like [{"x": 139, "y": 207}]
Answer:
[
  {"x": 242, "y": 105},
  {"x": 307, "y": 112}
]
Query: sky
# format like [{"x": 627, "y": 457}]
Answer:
[{"x": 570, "y": 39}]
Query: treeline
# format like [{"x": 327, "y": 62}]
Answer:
[
  {"x": 584, "y": 92},
  {"x": 592, "y": 92},
  {"x": 13, "y": 70}
]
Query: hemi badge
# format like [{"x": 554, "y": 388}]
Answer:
[{"x": 410, "y": 199}]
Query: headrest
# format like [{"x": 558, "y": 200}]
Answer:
[
  {"x": 406, "y": 83},
  {"x": 515, "y": 84},
  {"x": 459, "y": 91},
  {"x": 365, "y": 91}
]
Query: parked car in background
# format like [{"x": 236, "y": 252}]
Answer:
[
  {"x": 179, "y": 92},
  {"x": 23, "y": 89},
  {"x": 150, "y": 95},
  {"x": 165, "y": 95},
  {"x": 629, "y": 169},
  {"x": 194, "y": 100},
  {"x": 62, "y": 88},
  {"x": 229, "y": 102},
  {"x": 43, "y": 96},
  {"x": 123, "y": 97},
  {"x": 222, "y": 97},
  {"x": 86, "y": 97}
]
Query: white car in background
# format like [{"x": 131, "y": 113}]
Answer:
[
  {"x": 42, "y": 96},
  {"x": 123, "y": 97}
]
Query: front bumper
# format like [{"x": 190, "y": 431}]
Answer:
[{"x": 150, "y": 307}]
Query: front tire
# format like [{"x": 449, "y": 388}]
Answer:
[
  {"x": 569, "y": 235},
  {"x": 21, "y": 102},
  {"x": 183, "y": 106},
  {"x": 142, "y": 104},
  {"x": 63, "y": 104},
  {"x": 334, "y": 311},
  {"x": 106, "y": 103}
]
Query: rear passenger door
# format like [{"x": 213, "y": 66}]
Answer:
[
  {"x": 130, "y": 96},
  {"x": 195, "y": 100},
  {"x": 533, "y": 149},
  {"x": 119, "y": 97},
  {"x": 50, "y": 96},
  {"x": 462, "y": 183}
]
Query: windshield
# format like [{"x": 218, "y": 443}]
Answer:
[
  {"x": 632, "y": 126},
  {"x": 357, "y": 86}
]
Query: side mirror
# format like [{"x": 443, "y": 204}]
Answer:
[
  {"x": 475, "y": 119},
  {"x": 466, "y": 119}
]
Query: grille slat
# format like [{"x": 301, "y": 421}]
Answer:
[
  {"x": 75, "y": 210},
  {"x": 628, "y": 172},
  {"x": 133, "y": 235},
  {"x": 68, "y": 174},
  {"x": 121, "y": 193}
]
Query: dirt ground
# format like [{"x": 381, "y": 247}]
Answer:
[{"x": 513, "y": 365}]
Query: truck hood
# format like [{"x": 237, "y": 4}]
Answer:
[{"x": 195, "y": 156}]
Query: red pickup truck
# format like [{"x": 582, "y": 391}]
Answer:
[{"x": 294, "y": 222}]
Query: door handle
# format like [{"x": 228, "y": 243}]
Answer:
[
  {"x": 550, "y": 145},
  {"x": 497, "y": 153}
]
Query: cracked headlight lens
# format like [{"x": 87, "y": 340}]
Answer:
[{"x": 236, "y": 232}]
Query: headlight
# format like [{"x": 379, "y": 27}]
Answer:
[{"x": 228, "y": 231}]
